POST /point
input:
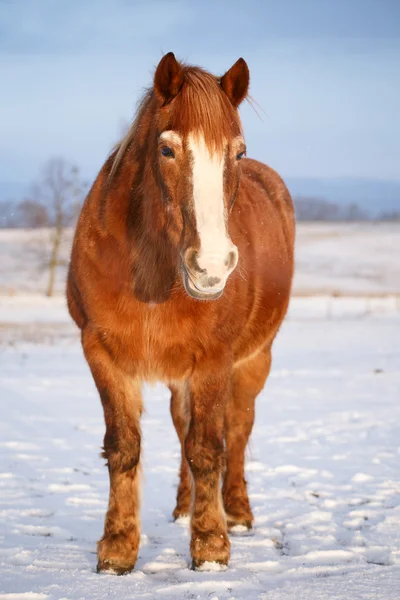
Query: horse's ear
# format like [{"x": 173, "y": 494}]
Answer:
[
  {"x": 168, "y": 79},
  {"x": 235, "y": 82}
]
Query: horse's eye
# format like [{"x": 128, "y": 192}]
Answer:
[
  {"x": 240, "y": 155},
  {"x": 168, "y": 152}
]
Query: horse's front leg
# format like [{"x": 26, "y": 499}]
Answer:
[
  {"x": 204, "y": 448},
  {"x": 121, "y": 398}
]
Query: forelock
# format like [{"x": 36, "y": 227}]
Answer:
[{"x": 203, "y": 108}]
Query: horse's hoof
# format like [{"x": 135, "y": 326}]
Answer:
[
  {"x": 209, "y": 551},
  {"x": 181, "y": 518},
  {"x": 180, "y": 513},
  {"x": 240, "y": 527},
  {"x": 239, "y": 518},
  {"x": 205, "y": 565},
  {"x": 111, "y": 568},
  {"x": 117, "y": 553}
]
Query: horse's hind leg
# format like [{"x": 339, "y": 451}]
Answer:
[
  {"x": 121, "y": 398},
  {"x": 248, "y": 380},
  {"x": 180, "y": 417}
]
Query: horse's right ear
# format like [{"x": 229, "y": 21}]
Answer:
[{"x": 168, "y": 79}]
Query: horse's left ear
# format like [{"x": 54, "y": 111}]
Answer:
[
  {"x": 235, "y": 82},
  {"x": 168, "y": 79}
]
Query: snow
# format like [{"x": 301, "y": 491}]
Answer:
[
  {"x": 25, "y": 253},
  {"x": 33, "y": 309},
  {"x": 323, "y": 467},
  {"x": 347, "y": 258}
]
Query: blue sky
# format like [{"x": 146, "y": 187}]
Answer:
[{"x": 326, "y": 73}]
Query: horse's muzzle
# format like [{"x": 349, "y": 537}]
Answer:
[{"x": 205, "y": 277}]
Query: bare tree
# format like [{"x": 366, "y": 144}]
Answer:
[{"x": 60, "y": 191}]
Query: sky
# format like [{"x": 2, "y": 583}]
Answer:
[{"x": 325, "y": 75}]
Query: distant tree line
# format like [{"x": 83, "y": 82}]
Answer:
[
  {"x": 55, "y": 201},
  {"x": 59, "y": 196},
  {"x": 309, "y": 208}
]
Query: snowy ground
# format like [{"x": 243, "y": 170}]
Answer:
[
  {"x": 344, "y": 258},
  {"x": 323, "y": 470},
  {"x": 347, "y": 258}
]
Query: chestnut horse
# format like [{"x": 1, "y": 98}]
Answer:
[{"x": 181, "y": 271}]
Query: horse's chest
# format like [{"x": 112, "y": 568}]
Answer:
[
  {"x": 154, "y": 347},
  {"x": 167, "y": 351}
]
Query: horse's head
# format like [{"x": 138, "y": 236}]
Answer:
[{"x": 199, "y": 147}]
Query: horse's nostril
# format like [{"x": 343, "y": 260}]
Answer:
[
  {"x": 191, "y": 260},
  {"x": 231, "y": 260}
]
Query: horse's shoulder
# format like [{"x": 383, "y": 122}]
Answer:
[
  {"x": 263, "y": 175},
  {"x": 261, "y": 182}
]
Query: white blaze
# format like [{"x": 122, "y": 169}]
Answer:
[{"x": 208, "y": 195}]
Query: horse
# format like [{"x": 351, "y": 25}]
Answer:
[{"x": 180, "y": 272}]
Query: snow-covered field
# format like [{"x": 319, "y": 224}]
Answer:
[
  {"x": 323, "y": 467},
  {"x": 342, "y": 258},
  {"x": 347, "y": 258}
]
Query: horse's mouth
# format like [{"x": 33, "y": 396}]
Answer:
[{"x": 193, "y": 291}]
